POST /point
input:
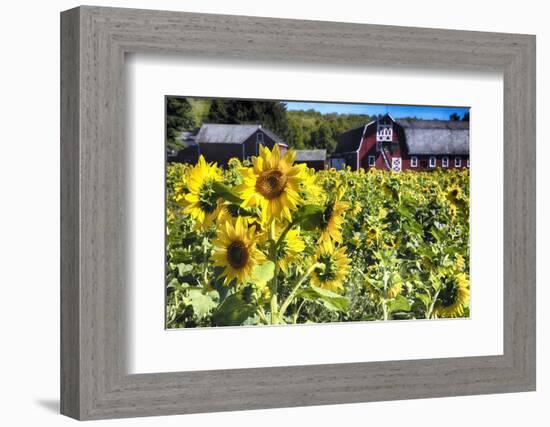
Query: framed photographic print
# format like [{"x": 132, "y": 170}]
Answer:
[{"x": 284, "y": 213}]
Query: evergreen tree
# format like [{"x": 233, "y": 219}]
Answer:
[
  {"x": 179, "y": 118},
  {"x": 270, "y": 114}
]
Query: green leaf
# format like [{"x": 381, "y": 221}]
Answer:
[
  {"x": 435, "y": 281},
  {"x": 235, "y": 210},
  {"x": 309, "y": 217},
  {"x": 413, "y": 227},
  {"x": 176, "y": 285},
  {"x": 263, "y": 273},
  {"x": 173, "y": 284},
  {"x": 184, "y": 268},
  {"x": 202, "y": 303},
  {"x": 233, "y": 311},
  {"x": 331, "y": 300},
  {"x": 404, "y": 211},
  {"x": 424, "y": 298},
  {"x": 226, "y": 193},
  {"x": 400, "y": 303}
]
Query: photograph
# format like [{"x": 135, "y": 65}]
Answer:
[{"x": 284, "y": 212}]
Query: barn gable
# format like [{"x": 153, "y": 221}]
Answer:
[{"x": 350, "y": 140}]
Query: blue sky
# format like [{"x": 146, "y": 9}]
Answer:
[{"x": 397, "y": 111}]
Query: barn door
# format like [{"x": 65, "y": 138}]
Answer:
[{"x": 396, "y": 164}]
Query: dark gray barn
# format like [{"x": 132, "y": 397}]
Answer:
[
  {"x": 221, "y": 142},
  {"x": 315, "y": 159}
]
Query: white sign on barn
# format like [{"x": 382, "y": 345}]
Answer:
[{"x": 396, "y": 164}]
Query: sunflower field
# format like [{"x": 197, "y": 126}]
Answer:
[{"x": 273, "y": 242}]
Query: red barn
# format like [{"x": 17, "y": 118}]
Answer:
[{"x": 404, "y": 144}]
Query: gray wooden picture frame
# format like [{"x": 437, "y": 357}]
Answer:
[{"x": 94, "y": 382}]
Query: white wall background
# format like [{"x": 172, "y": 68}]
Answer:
[{"x": 29, "y": 212}]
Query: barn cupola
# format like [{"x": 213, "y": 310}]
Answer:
[{"x": 384, "y": 132}]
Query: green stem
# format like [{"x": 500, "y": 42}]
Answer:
[
  {"x": 385, "y": 300},
  {"x": 205, "y": 262},
  {"x": 301, "y": 280},
  {"x": 275, "y": 314},
  {"x": 273, "y": 284},
  {"x": 431, "y": 309},
  {"x": 297, "y": 312},
  {"x": 262, "y": 315},
  {"x": 385, "y": 309}
]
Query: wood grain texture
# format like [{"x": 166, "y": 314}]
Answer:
[
  {"x": 70, "y": 315},
  {"x": 94, "y": 382}
]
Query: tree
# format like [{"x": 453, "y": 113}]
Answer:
[
  {"x": 311, "y": 129},
  {"x": 466, "y": 117},
  {"x": 323, "y": 137},
  {"x": 454, "y": 117},
  {"x": 218, "y": 113},
  {"x": 179, "y": 117},
  {"x": 270, "y": 114}
]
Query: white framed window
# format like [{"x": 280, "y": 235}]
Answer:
[
  {"x": 467, "y": 163},
  {"x": 433, "y": 162},
  {"x": 414, "y": 162},
  {"x": 445, "y": 162},
  {"x": 372, "y": 161},
  {"x": 260, "y": 138},
  {"x": 458, "y": 162},
  {"x": 384, "y": 132}
]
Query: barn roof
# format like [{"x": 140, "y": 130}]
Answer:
[
  {"x": 349, "y": 141},
  {"x": 436, "y": 137},
  {"x": 311, "y": 155},
  {"x": 231, "y": 134},
  {"x": 273, "y": 136}
]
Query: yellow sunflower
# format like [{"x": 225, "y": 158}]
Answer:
[
  {"x": 453, "y": 297},
  {"x": 336, "y": 268},
  {"x": 310, "y": 189},
  {"x": 332, "y": 220},
  {"x": 236, "y": 251},
  {"x": 456, "y": 198},
  {"x": 374, "y": 234},
  {"x": 202, "y": 202},
  {"x": 460, "y": 262},
  {"x": 454, "y": 193},
  {"x": 273, "y": 184},
  {"x": 290, "y": 249},
  {"x": 395, "y": 286}
]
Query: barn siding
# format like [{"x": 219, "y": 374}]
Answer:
[
  {"x": 250, "y": 144},
  {"x": 315, "y": 164},
  {"x": 221, "y": 153},
  {"x": 351, "y": 160}
]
